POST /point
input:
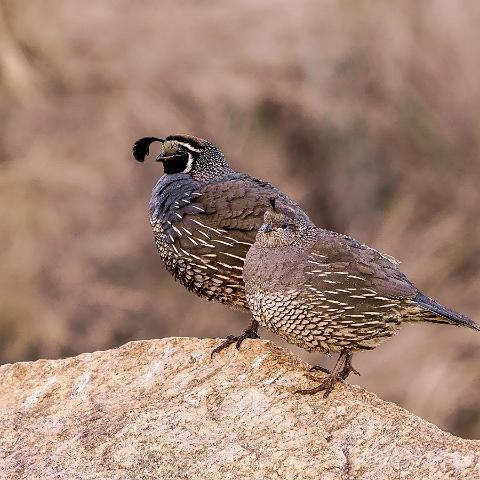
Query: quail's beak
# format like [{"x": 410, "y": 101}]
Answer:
[
  {"x": 170, "y": 156},
  {"x": 167, "y": 152},
  {"x": 162, "y": 156},
  {"x": 173, "y": 162},
  {"x": 266, "y": 228}
]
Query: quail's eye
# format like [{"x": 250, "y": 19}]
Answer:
[{"x": 284, "y": 226}]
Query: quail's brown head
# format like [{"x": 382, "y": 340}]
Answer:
[{"x": 281, "y": 226}]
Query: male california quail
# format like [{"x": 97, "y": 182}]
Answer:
[
  {"x": 328, "y": 292},
  {"x": 205, "y": 217}
]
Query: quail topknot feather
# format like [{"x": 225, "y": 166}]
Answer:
[
  {"x": 205, "y": 217},
  {"x": 328, "y": 292}
]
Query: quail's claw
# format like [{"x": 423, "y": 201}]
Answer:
[
  {"x": 310, "y": 391},
  {"x": 313, "y": 378},
  {"x": 356, "y": 372},
  {"x": 236, "y": 340},
  {"x": 246, "y": 334},
  {"x": 347, "y": 370},
  {"x": 326, "y": 385},
  {"x": 319, "y": 368},
  {"x": 329, "y": 385},
  {"x": 226, "y": 343}
]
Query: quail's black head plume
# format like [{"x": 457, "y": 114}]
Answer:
[
  {"x": 141, "y": 148},
  {"x": 328, "y": 292},
  {"x": 205, "y": 217}
]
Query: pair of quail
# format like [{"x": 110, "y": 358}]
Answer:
[{"x": 238, "y": 240}]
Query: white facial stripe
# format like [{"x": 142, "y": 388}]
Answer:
[
  {"x": 188, "y": 146},
  {"x": 189, "y": 163}
]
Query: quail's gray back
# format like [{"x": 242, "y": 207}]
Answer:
[{"x": 328, "y": 292}]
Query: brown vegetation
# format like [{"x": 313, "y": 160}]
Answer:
[{"x": 365, "y": 112}]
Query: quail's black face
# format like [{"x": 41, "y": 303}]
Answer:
[
  {"x": 184, "y": 154},
  {"x": 180, "y": 154}
]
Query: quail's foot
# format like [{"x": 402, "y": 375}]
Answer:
[
  {"x": 319, "y": 368},
  {"x": 347, "y": 370},
  {"x": 340, "y": 372},
  {"x": 343, "y": 374},
  {"x": 250, "y": 332},
  {"x": 326, "y": 385}
]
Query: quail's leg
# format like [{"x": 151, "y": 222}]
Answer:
[
  {"x": 250, "y": 332},
  {"x": 342, "y": 367},
  {"x": 348, "y": 367}
]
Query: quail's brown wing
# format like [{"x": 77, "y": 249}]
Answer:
[
  {"x": 359, "y": 292},
  {"x": 213, "y": 231}
]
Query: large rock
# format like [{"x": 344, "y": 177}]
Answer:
[{"x": 163, "y": 409}]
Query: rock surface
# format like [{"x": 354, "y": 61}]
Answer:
[{"x": 162, "y": 409}]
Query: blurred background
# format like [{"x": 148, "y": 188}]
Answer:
[{"x": 367, "y": 113}]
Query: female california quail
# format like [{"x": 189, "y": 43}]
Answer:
[
  {"x": 328, "y": 292},
  {"x": 205, "y": 217}
]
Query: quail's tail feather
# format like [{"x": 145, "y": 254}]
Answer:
[{"x": 444, "y": 314}]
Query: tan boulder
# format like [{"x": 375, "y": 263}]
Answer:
[{"x": 162, "y": 409}]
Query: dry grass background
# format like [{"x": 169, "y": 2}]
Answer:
[{"x": 366, "y": 112}]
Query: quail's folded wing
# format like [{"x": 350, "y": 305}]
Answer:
[
  {"x": 358, "y": 293},
  {"x": 209, "y": 232}
]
